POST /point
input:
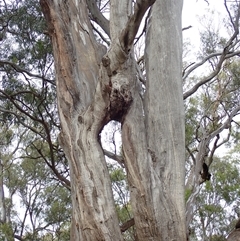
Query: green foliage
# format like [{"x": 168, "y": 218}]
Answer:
[
  {"x": 217, "y": 238},
  {"x": 37, "y": 204},
  {"x": 32, "y": 159},
  {"x": 6, "y": 232},
  {"x": 188, "y": 192},
  {"x": 32, "y": 48},
  {"x": 121, "y": 197},
  {"x": 58, "y": 205},
  {"x": 117, "y": 175},
  {"x": 221, "y": 192},
  {"x": 191, "y": 119}
]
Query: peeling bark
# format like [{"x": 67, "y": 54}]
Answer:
[
  {"x": 94, "y": 87},
  {"x": 82, "y": 111}
]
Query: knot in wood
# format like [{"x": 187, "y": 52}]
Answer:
[
  {"x": 120, "y": 101},
  {"x": 105, "y": 61}
]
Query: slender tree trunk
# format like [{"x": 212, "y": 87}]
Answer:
[
  {"x": 2, "y": 196},
  {"x": 94, "y": 88},
  {"x": 7, "y": 231}
]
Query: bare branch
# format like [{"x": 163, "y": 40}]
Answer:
[
  {"x": 186, "y": 28},
  {"x": 226, "y": 139},
  {"x": 191, "y": 154},
  {"x": 185, "y": 69},
  {"x": 226, "y": 53},
  {"x": 223, "y": 57},
  {"x": 125, "y": 226},
  {"x": 235, "y": 23},
  {"x": 21, "y": 70},
  {"x": 115, "y": 157},
  {"x": 101, "y": 35},
  {"x": 226, "y": 124},
  {"x": 18, "y": 237},
  {"x": 98, "y": 17},
  {"x": 215, "y": 146},
  {"x": 144, "y": 28},
  {"x": 64, "y": 181}
]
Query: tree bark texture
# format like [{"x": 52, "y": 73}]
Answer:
[
  {"x": 154, "y": 143},
  {"x": 94, "y": 87},
  {"x": 234, "y": 235}
]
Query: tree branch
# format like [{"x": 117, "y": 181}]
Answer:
[
  {"x": 125, "y": 226},
  {"x": 183, "y": 29},
  {"x": 191, "y": 154},
  {"x": 97, "y": 16},
  {"x": 129, "y": 33},
  {"x": 100, "y": 34},
  {"x": 223, "y": 57},
  {"x": 115, "y": 157},
  {"x": 195, "y": 66},
  {"x": 21, "y": 70},
  {"x": 226, "y": 53},
  {"x": 64, "y": 181},
  {"x": 144, "y": 28},
  {"x": 226, "y": 124},
  {"x": 215, "y": 146}
]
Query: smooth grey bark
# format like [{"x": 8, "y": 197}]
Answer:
[
  {"x": 153, "y": 143},
  {"x": 164, "y": 111},
  {"x": 94, "y": 87}
]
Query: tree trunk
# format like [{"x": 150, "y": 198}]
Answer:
[
  {"x": 2, "y": 195},
  {"x": 93, "y": 89},
  {"x": 82, "y": 114},
  {"x": 234, "y": 235},
  {"x": 157, "y": 138}
]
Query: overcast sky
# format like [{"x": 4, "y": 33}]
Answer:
[{"x": 194, "y": 10}]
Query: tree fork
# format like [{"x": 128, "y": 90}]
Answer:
[
  {"x": 83, "y": 109},
  {"x": 92, "y": 90}
]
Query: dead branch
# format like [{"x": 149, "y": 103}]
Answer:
[
  {"x": 125, "y": 226},
  {"x": 186, "y": 28}
]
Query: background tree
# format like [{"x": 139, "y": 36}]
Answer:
[
  {"x": 29, "y": 129},
  {"x": 212, "y": 218},
  {"x": 211, "y": 113}
]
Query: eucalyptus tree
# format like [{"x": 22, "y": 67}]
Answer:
[
  {"x": 100, "y": 78},
  {"x": 95, "y": 85},
  {"x": 29, "y": 128}
]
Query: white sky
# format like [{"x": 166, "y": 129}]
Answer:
[{"x": 193, "y": 10}]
